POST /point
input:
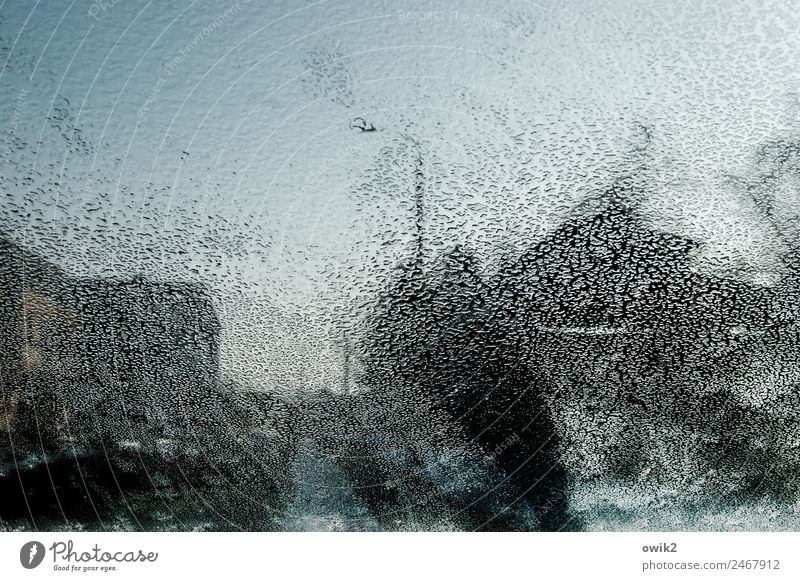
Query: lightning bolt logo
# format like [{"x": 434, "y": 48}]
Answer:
[{"x": 31, "y": 554}]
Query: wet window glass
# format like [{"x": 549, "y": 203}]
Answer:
[{"x": 370, "y": 266}]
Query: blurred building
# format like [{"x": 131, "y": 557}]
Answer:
[{"x": 84, "y": 359}]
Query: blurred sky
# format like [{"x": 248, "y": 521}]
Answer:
[{"x": 212, "y": 141}]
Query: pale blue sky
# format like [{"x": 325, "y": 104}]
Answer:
[{"x": 212, "y": 141}]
